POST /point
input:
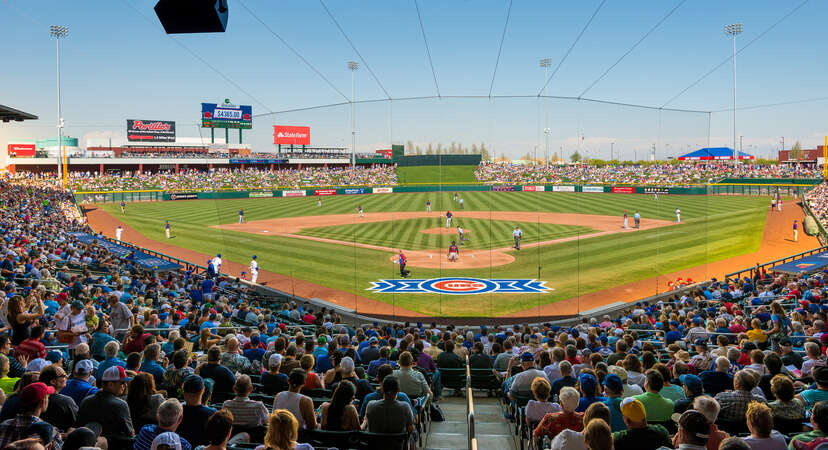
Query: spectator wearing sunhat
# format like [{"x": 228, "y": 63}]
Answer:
[
  {"x": 79, "y": 386},
  {"x": 34, "y": 400},
  {"x": 639, "y": 435},
  {"x": 106, "y": 406}
]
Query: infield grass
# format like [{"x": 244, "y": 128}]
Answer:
[{"x": 713, "y": 228}]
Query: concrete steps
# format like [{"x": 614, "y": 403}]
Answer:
[{"x": 493, "y": 431}]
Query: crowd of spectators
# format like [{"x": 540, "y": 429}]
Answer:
[
  {"x": 250, "y": 178},
  {"x": 817, "y": 199},
  {"x": 667, "y": 174}
]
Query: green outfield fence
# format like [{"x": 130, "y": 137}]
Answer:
[{"x": 795, "y": 189}]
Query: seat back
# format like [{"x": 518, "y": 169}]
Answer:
[
  {"x": 453, "y": 378},
  {"x": 390, "y": 441},
  {"x": 484, "y": 379},
  {"x": 339, "y": 439}
]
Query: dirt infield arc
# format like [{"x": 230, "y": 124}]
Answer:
[{"x": 438, "y": 258}]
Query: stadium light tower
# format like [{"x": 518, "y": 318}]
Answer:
[
  {"x": 546, "y": 131},
  {"x": 58, "y": 32},
  {"x": 353, "y": 66},
  {"x": 545, "y": 63},
  {"x": 733, "y": 30}
]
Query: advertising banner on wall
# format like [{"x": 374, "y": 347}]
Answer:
[
  {"x": 657, "y": 190},
  {"x": 383, "y": 190},
  {"x": 295, "y": 193},
  {"x": 324, "y": 192},
  {"x": 150, "y": 130},
  {"x": 533, "y": 188},
  {"x": 623, "y": 190},
  {"x": 593, "y": 189},
  {"x": 354, "y": 191},
  {"x": 563, "y": 188},
  {"x": 503, "y": 188},
  {"x": 226, "y": 115},
  {"x": 184, "y": 196},
  {"x": 22, "y": 150},
  {"x": 289, "y": 135},
  {"x": 261, "y": 194}
]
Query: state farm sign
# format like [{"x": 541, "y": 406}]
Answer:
[
  {"x": 21, "y": 150},
  {"x": 150, "y": 130},
  {"x": 284, "y": 134}
]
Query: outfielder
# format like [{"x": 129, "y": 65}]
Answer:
[
  {"x": 461, "y": 203},
  {"x": 254, "y": 270},
  {"x": 118, "y": 233},
  {"x": 517, "y": 235},
  {"x": 359, "y": 211},
  {"x": 678, "y": 215},
  {"x": 241, "y": 216},
  {"x": 453, "y": 252},
  {"x": 428, "y": 205},
  {"x": 123, "y": 207},
  {"x": 167, "y": 228},
  {"x": 318, "y": 202},
  {"x": 448, "y": 219}
]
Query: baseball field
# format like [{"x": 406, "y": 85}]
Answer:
[{"x": 574, "y": 243}]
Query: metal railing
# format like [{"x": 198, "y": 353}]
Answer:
[
  {"x": 770, "y": 264},
  {"x": 470, "y": 408}
]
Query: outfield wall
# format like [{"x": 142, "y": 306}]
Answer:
[{"x": 768, "y": 189}]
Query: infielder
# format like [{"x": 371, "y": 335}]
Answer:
[
  {"x": 453, "y": 252},
  {"x": 517, "y": 234},
  {"x": 123, "y": 207},
  {"x": 428, "y": 205},
  {"x": 318, "y": 202},
  {"x": 461, "y": 203},
  {"x": 678, "y": 215},
  {"x": 241, "y": 216},
  {"x": 779, "y": 205},
  {"x": 167, "y": 228},
  {"x": 118, "y": 233},
  {"x": 626, "y": 221},
  {"x": 637, "y": 218},
  {"x": 448, "y": 219},
  {"x": 796, "y": 231},
  {"x": 459, "y": 234},
  {"x": 456, "y": 196},
  {"x": 359, "y": 211},
  {"x": 254, "y": 270}
]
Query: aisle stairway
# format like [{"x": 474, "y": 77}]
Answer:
[{"x": 491, "y": 428}]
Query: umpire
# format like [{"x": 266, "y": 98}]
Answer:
[{"x": 517, "y": 235}]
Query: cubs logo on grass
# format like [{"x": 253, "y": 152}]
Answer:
[{"x": 459, "y": 286}]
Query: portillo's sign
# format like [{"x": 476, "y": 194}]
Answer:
[{"x": 150, "y": 130}]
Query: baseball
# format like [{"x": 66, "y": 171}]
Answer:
[{"x": 430, "y": 256}]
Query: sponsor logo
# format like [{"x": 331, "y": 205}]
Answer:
[
  {"x": 184, "y": 196},
  {"x": 592, "y": 189},
  {"x": 285, "y": 134},
  {"x": 385, "y": 190},
  {"x": 503, "y": 188},
  {"x": 21, "y": 149},
  {"x": 459, "y": 286},
  {"x": 324, "y": 192},
  {"x": 354, "y": 191},
  {"x": 656, "y": 190},
  {"x": 151, "y": 126},
  {"x": 623, "y": 190},
  {"x": 151, "y": 130},
  {"x": 804, "y": 265},
  {"x": 296, "y": 193},
  {"x": 533, "y": 188},
  {"x": 563, "y": 188},
  {"x": 261, "y": 194}
]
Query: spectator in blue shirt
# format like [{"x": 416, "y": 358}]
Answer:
[
  {"x": 373, "y": 367},
  {"x": 99, "y": 340},
  {"x": 151, "y": 366},
  {"x": 78, "y": 387}
]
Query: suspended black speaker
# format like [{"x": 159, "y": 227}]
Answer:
[{"x": 192, "y": 16}]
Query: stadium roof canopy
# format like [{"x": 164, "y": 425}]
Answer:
[
  {"x": 10, "y": 114},
  {"x": 714, "y": 153}
]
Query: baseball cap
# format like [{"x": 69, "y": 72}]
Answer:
[
  {"x": 347, "y": 364},
  {"x": 693, "y": 383},
  {"x": 169, "y": 438},
  {"x": 633, "y": 409},
  {"x": 43, "y": 430},
  {"x": 84, "y": 367},
  {"x": 527, "y": 357},
  {"x": 785, "y": 341},
  {"x": 821, "y": 375},
  {"x": 373, "y": 339},
  {"x": 321, "y": 340},
  {"x": 37, "y": 364},
  {"x": 701, "y": 342},
  {"x": 674, "y": 323},
  {"x": 695, "y": 424},
  {"x": 76, "y": 304},
  {"x": 620, "y": 372},
  {"x": 85, "y": 436},
  {"x": 115, "y": 373},
  {"x": 697, "y": 320},
  {"x": 54, "y": 356},
  {"x": 614, "y": 383},
  {"x": 588, "y": 383},
  {"x": 166, "y": 306},
  {"x": 35, "y": 392},
  {"x": 275, "y": 359},
  {"x": 193, "y": 384}
]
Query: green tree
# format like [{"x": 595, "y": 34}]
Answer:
[
  {"x": 429, "y": 149},
  {"x": 575, "y": 157},
  {"x": 796, "y": 152}
]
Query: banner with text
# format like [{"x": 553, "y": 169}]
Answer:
[
  {"x": 533, "y": 188},
  {"x": 184, "y": 196},
  {"x": 503, "y": 188},
  {"x": 324, "y": 192},
  {"x": 383, "y": 190},
  {"x": 354, "y": 191},
  {"x": 261, "y": 194},
  {"x": 623, "y": 190},
  {"x": 150, "y": 130},
  {"x": 22, "y": 150},
  {"x": 593, "y": 189},
  {"x": 295, "y": 193},
  {"x": 563, "y": 188},
  {"x": 226, "y": 115},
  {"x": 289, "y": 135}
]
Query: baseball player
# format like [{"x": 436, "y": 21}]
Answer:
[
  {"x": 779, "y": 205},
  {"x": 359, "y": 211},
  {"x": 796, "y": 231},
  {"x": 655, "y": 195},
  {"x": 167, "y": 228},
  {"x": 773, "y": 203},
  {"x": 241, "y": 215},
  {"x": 123, "y": 207},
  {"x": 637, "y": 218},
  {"x": 428, "y": 205},
  {"x": 216, "y": 263},
  {"x": 461, "y": 203},
  {"x": 403, "y": 261},
  {"x": 118, "y": 233},
  {"x": 626, "y": 221},
  {"x": 254, "y": 270},
  {"x": 678, "y": 215},
  {"x": 453, "y": 252},
  {"x": 318, "y": 202},
  {"x": 517, "y": 234},
  {"x": 449, "y": 215},
  {"x": 455, "y": 196},
  {"x": 459, "y": 234}
]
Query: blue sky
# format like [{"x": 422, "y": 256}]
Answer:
[{"x": 118, "y": 65}]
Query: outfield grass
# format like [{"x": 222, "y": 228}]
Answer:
[
  {"x": 436, "y": 174},
  {"x": 713, "y": 228}
]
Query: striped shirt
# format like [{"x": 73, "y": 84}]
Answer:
[{"x": 246, "y": 412}]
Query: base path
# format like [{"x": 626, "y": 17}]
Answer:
[
  {"x": 777, "y": 242},
  {"x": 438, "y": 258}
]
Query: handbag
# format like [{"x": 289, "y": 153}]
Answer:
[{"x": 65, "y": 336}]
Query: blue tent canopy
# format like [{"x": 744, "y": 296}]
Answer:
[{"x": 713, "y": 153}]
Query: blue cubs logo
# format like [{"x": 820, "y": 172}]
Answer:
[{"x": 459, "y": 286}]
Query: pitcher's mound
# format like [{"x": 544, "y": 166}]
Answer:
[
  {"x": 441, "y": 230},
  {"x": 468, "y": 259}
]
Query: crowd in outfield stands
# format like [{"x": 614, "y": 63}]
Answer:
[
  {"x": 817, "y": 199},
  {"x": 176, "y": 153},
  {"x": 672, "y": 174},
  {"x": 236, "y": 179},
  {"x": 96, "y": 352}
]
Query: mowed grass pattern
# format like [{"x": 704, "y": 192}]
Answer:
[
  {"x": 478, "y": 234},
  {"x": 436, "y": 174},
  {"x": 713, "y": 228}
]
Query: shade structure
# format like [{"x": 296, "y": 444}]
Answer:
[{"x": 713, "y": 154}]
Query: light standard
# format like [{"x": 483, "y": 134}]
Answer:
[
  {"x": 733, "y": 30},
  {"x": 546, "y": 131},
  {"x": 58, "y": 32},
  {"x": 545, "y": 63},
  {"x": 612, "y": 147},
  {"x": 353, "y": 66}
]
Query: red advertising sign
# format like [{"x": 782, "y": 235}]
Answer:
[
  {"x": 623, "y": 190},
  {"x": 324, "y": 192},
  {"x": 23, "y": 150},
  {"x": 533, "y": 188},
  {"x": 284, "y": 134}
]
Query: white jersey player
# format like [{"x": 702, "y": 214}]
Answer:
[
  {"x": 118, "y": 232},
  {"x": 678, "y": 215},
  {"x": 254, "y": 270}
]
